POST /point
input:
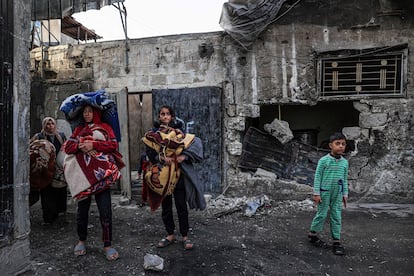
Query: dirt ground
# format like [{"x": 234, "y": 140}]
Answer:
[{"x": 379, "y": 240}]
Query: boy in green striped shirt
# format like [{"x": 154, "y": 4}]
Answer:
[{"x": 330, "y": 189}]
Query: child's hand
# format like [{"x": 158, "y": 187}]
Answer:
[
  {"x": 317, "y": 199},
  {"x": 167, "y": 160},
  {"x": 85, "y": 146},
  {"x": 344, "y": 200},
  {"x": 180, "y": 158}
]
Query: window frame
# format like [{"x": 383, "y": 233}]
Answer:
[{"x": 398, "y": 50}]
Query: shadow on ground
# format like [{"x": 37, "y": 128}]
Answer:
[{"x": 378, "y": 241}]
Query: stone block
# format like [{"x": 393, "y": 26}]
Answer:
[
  {"x": 235, "y": 148},
  {"x": 76, "y": 51},
  {"x": 236, "y": 123},
  {"x": 158, "y": 80},
  {"x": 280, "y": 130},
  {"x": 229, "y": 93},
  {"x": 231, "y": 110},
  {"x": 352, "y": 133},
  {"x": 123, "y": 201},
  {"x": 361, "y": 107},
  {"x": 252, "y": 110},
  {"x": 263, "y": 173},
  {"x": 370, "y": 120}
]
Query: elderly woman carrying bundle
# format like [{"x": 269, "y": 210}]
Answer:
[{"x": 46, "y": 174}]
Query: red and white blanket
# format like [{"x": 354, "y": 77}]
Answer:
[{"x": 88, "y": 174}]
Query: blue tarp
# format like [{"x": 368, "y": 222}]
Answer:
[{"x": 73, "y": 105}]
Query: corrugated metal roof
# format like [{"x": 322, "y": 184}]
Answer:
[
  {"x": 76, "y": 30},
  {"x": 57, "y": 9}
]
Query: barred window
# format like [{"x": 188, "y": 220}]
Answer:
[{"x": 368, "y": 73}]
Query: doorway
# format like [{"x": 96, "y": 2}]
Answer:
[{"x": 140, "y": 121}]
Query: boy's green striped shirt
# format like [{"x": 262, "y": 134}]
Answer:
[{"x": 328, "y": 173}]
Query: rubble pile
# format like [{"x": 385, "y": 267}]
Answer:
[{"x": 256, "y": 205}]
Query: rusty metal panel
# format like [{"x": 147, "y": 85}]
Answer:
[
  {"x": 262, "y": 150},
  {"x": 6, "y": 119},
  {"x": 293, "y": 160}
]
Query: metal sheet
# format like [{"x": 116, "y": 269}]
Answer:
[
  {"x": 200, "y": 108},
  {"x": 57, "y": 9},
  {"x": 294, "y": 160}
]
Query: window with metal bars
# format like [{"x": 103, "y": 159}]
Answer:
[{"x": 369, "y": 74}]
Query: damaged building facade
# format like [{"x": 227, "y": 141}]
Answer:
[{"x": 317, "y": 68}]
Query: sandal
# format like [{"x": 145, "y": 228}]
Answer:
[
  {"x": 338, "y": 249},
  {"x": 80, "y": 249},
  {"x": 188, "y": 244},
  {"x": 316, "y": 241},
  {"x": 165, "y": 242},
  {"x": 111, "y": 254}
]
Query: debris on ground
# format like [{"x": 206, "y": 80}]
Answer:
[
  {"x": 153, "y": 262},
  {"x": 272, "y": 241}
]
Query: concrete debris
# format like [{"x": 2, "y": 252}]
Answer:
[
  {"x": 252, "y": 205},
  {"x": 263, "y": 173},
  {"x": 280, "y": 130},
  {"x": 123, "y": 201},
  {"x": 273, "y": 239},
  {"x": 153, "y": 262},
  {"x": 261, "y": 204},
  {"x": 399, "y": 210}
]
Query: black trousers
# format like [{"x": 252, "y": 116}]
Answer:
[
  {"x": 103, "y": 202},
  {"x": 182, "y": 210},
  {"x": 53, "y": 200}
]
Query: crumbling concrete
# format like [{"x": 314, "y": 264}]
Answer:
[{"x": 280, "y": 130}]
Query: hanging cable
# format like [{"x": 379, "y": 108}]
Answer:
[{"x": 123, "y": 15}]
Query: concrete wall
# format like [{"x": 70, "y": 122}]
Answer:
[
  {"x": 154, "y": 63},
  {"x": 279, "y": 69},
  {"x": 15, "y": 256}
]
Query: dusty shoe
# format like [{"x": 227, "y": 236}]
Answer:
[
  {"x": 316, "y": 241},
  {"x": 338, "y": 249},
  {"x": 165, "y": 242},
  {"x": 111, "y": 254},
  {"x": 188, "y": 244},
  {"x": 80, "y": 249}
]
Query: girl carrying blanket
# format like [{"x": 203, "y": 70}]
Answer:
[
  {"x": 91, "y": 167},
  {"x": 171, "y": 174}
]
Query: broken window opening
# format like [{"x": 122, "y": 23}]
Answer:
[
  {"x": 311, "y": 127},
  {"x": 312, "y": 124}
]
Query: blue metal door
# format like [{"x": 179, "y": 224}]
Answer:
[{"x": 200, "y": 108}]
